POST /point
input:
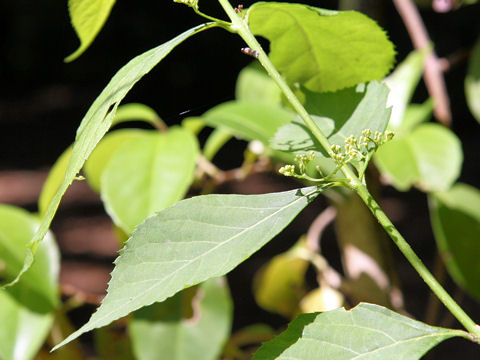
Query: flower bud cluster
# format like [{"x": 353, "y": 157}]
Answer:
[
  {"x": 302, "y": 161},
  {"x": 360, "y": 149},
  {"x": 287, "y": 170}
]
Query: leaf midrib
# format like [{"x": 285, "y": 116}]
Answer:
[{"x": 161, "y": 281}]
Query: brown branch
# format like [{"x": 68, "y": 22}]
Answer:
[{"x": 433, "y": 75}]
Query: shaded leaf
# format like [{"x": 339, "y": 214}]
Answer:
[
  {"x": 367, "y": 331},
  {"x": 164, "y": 328},
  {"x": 254, "y": 85},
  {"x": 429, "y": 158},
  {"x": 148, "y": 174},
  {"x": 26, "y": 310},
  {"x": 456, "y": 225},
  {"x": 190, "y": 242},
  {"x": 96, "y": 123},
  {"x": 279, "y": 285},
  {"x": 321, "y": 49},
  {"x": 472, "y": 82},
  {"x": 87, "y": 17}
]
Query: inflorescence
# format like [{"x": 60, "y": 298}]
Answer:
[{"x": 356, "y": 152}]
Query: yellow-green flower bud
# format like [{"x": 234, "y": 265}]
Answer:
[
  {"x": 367, "y": 133},
  {"x": 336, "y": 149}
]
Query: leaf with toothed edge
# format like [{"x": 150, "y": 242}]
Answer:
[
  {"x": 367, "y": 332},
  {"x": 323, "y": 50},
  {"x": 96, "y": 123},
  {"x": 192, "y": 241}
]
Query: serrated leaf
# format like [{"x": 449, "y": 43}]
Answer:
[
  {"x": 26, "y": 310},
  {"x": 190, "y": 242},
  {"x": 402, "y": 83},
  {"x": 101, "y": 155},
  {"x": 254, "y": 84},
  {"x": 339, "y": 115},
  {"x": 96, "y": 123},
  {"x": 365, "y": 332},
  {"x": 472, "y": 82},
  {"x": 456, "y": 224},
  {"x": 321, "y": 49},
  {"x": 430, "y": 158},
  {"x": 148, "y": 174},
  {"x": 164, "y": 328},
  {"x": 88, "y": 18}
]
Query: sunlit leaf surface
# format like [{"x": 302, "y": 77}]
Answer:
[
  {"x": 365, "y": 332},
  {"x": 321, "y": 49},
  {"x": 192, "y": 241}
]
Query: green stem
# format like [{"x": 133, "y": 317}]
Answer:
[
  {"x": 417, "y": 264},
  {"x": 240, "y": 26}
]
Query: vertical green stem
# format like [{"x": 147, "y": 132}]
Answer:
[{"x": 239, "y": 26}]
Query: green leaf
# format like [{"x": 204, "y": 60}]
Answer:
[
  {"x": 194, "y": 124},
  {"x": 88, "y": 17},
  {"x": 339, "y": 115},
  {"x": 215, "y": 141},
  {"x": 429, "y": 158},
  {"x": 249, "y": 120},
  {"x": 402, "y": 83},
  {"x": 365, "y": 332},
  {"x": 456, "y": 224},
  {"x": 26, "y": 310},
  {"x": 167, "y": 328},
  {"x": 414, "y": 115},
  {"x": 135, "y": 112},
  {"x": 190, "y": 242},
  {"x": 279, "y": 285},
  {"x": 321, "y": 49},
  {"x": 53, "y": 181},
  {"x": 148, "y": 174},
  {"x": 98, "y": 160},
  {"x": 254, "y": 85},
  {"x": 96, "y": 123},
  {"x": 472, "y": 82}
]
